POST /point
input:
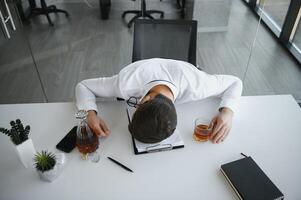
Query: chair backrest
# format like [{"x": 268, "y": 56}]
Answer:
[{"x": 173, "y": 39}]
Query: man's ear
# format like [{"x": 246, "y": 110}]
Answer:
[{"x": 145, "y": 98}]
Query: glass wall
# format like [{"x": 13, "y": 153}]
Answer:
[
  {"x": 80, "y": 46},
  {"x": 226, "y": 29},
  {"x": 297, "y": 38},
  {"x": 19, "y": 78},
  {"x": 43, "y": 63},
  {"x": 275, "y": 11},
  {"x": 296, "y": 35},
  {"x": 281, "y": 17},
  {"x": 272, "y": 69}
]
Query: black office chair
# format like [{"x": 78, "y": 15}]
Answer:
[
  {"x": 172, "y": 39},
  {"x": 45, "y": 10},
  {"x": 142, "y": 13}
]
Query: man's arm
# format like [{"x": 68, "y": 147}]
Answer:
[
  {"x": 97, "y": 124},
  {"x": 226, "y": 87},
  {"x": 86, "y": 92},
  {"x": 229, "y": 89},
  {"x": 222, "y": 124}
]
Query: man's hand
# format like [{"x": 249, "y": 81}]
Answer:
[
  {"x": 97, "y": 125},
  {"x": 222, "y": 124}
]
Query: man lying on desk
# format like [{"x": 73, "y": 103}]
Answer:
[{"x": 159, "y": 84}]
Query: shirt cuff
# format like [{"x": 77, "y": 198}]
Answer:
[
  {"x": 90, "y": 105},
  {"x": 229, "y": 103}
]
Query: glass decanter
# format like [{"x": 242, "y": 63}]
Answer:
[{"x": 86, "y": 141}]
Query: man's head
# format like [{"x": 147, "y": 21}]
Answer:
[{"x": 154, "y": 120}]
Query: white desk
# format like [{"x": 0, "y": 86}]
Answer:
[{"x": 267, "y": 128}]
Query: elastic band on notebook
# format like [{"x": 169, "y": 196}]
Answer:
[{"x": 244, "y": 155}]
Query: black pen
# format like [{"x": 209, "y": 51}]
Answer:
[{"x": 121, "y": 165}]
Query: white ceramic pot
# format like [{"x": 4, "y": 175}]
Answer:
[
  {"x": 49, "y": 175},
  {"x": 26, "y": 152},
  {"x": 52, "y": 174}
]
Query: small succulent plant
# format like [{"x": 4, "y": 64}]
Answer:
[
  {"x": 17, "y": 133},
  {"x": 44, "y": 161}
]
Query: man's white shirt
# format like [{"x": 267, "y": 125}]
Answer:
[{"x": 186, "y": 82}]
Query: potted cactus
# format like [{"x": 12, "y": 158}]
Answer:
[
  {"x": 45, "y": 164},
  {"x": 48, "y": 165},
  {"x": 19, "y": 136}
]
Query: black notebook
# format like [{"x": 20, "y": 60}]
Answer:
[{"x": 249, "y": 181}]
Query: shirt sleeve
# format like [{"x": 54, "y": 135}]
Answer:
[
  {"x": 227, "y": 87},
  {"x": 86, "y": 91}
]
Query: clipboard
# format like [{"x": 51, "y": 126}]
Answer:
[{"x": 153, "y": 148}]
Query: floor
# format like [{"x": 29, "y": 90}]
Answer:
[{"x": 84, "y": 46}]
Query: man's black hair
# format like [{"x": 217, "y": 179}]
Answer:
[{"x": 154, "y": 120}]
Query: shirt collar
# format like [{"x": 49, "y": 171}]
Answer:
[{"x": 154, "y": 83}]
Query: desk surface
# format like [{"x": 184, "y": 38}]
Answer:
[{"x": 266, "y": 128}]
